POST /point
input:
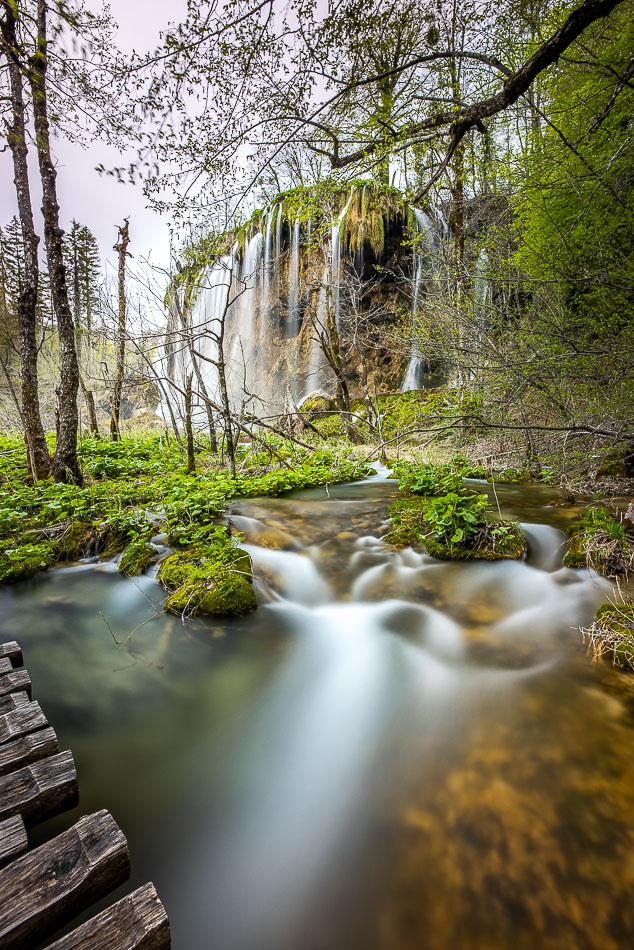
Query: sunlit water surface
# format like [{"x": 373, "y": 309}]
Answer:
[{"x": 392, "y": 752}]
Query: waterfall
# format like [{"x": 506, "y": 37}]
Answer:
[
  {"x": 266, "y": 266},
  {"x": 417, "y": 366},
  {"x": 241, "y": 355},
  {"x": 292, "y": 315},
  {"x": 335, "y": 257}
]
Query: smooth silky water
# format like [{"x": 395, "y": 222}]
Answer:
[{"x": 392, "y": 752}]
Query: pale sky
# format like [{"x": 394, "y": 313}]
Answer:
[{"x": 99, "y": 201}]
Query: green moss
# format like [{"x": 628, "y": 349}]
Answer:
[
  {"x": 136, "y": 557},
  {"x": 229, "y": 596},
  {"x": 214, "y": 579},
  {"x": 24, "y": 560},
  {"x": 330, "y": 426},
  {"x": 318, "y": 405}
]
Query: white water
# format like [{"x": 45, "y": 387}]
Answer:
[
  {"x": 292, "y": 315},
  {"x": 335, "y": 258},
  {"x": 423, "y": 269}
]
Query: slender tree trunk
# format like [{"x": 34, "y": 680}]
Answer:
[
  {"x": 90, "y": 406},
  {"x": 226, "y": 413},
  {"x": 65, "y": 462},
  {"x": 189, "y": 432},
  {"x": 37, "y": 449},
  {"x": 122, "y": 248}
]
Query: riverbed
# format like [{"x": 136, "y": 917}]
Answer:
[{"x": 391, "y": 753}]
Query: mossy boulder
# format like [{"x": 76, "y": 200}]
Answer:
[
  {"x": 24, "y": 560},
  {"x": 230, "y": 596},
  {"x": 215, "y": 579},
  {"x": 317, "y": 405},
  {"x": 612, "y": 633},
  {"x": 601, "y": 541},
  {"x": 136, "y": 557}
]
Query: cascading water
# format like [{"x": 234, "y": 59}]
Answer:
[
  {"x": 335, "y": 258},
  {"x": 292, "y": 316},
  {"x": 417, "y": 366}
]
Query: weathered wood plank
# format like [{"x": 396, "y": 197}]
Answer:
[
  {"x": 40, "y": 790},
  {"x": 13, "y": 701},
  {"x": 13, "y": 840},
  {"x": 14, "y": 681},
  {"x": 6, "y": 666},
  {"x": 48, "y": 886},
  {"x": 15, "y": 755},
  {"x": 137, "y": 922},
  {"x": 13, "y": 651},
  {"x": 19, "y": 722}
]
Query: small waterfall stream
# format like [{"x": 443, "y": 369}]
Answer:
[{"x": 423, "y": 268}]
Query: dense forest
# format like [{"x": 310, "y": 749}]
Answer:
[{"x": 401, "y": 267}]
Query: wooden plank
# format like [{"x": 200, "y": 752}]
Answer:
[
  {"x": 19, "y": 722},
  {"x": 14, "y": 681},
  {"x": 13, "y": 651},
  {"x": 40, "y": 790},
  {"x": 6, "y": 666},
  {"x": 15, "y": 755},
  {"x": 13, "y": 701},
  {"x": 137, "y": 922},
  {"x": 13, "y": 840},
  {"x": 48, "y": 886}
]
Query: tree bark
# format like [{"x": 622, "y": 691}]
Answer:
[
  {"x": 189, "y": 432},
  {"x": 65, "y": 462},
  {"x": 122, "y": 248},
  {"x": 37, "y": 449}
]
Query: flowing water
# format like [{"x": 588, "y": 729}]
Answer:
[{"x": 392, "y": 752}]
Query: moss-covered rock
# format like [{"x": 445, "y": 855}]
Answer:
[
  {"x": 214, "y": 579},
  {"x": 601, "y": 541},
  {"x": 412, "y": 523},
  {"x": 318, "y": 404},
  {"x": 136, "y": 557},
  {"x": 612, "y": 634},
  {"x": 232, "y": 595},
  {"x": 24, "y": 560}
]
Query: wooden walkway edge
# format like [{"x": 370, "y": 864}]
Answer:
[{"x": 44, "y": 888}]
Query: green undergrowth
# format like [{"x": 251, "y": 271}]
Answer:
[
  {"x": 454, "y": 527},
  {"x": 214, "y": 578},
  {"x": 440, "y": 512},
  {"x": 137, "y": 487},
  {"x": 602, "y": 541}
]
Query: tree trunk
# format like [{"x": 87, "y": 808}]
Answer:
[
  {"x": 122, "y": 248},
  {"x": 90, "y": 406},
  {"x": 189, "y": 432},
  {"x": 65, "y": 463},
  {"x": 37, "y": 449}
]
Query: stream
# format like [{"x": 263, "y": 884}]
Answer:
[{"x": 391, "y": 753}]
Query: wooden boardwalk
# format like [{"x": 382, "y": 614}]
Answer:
[{"x": 44, "y": 888}]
